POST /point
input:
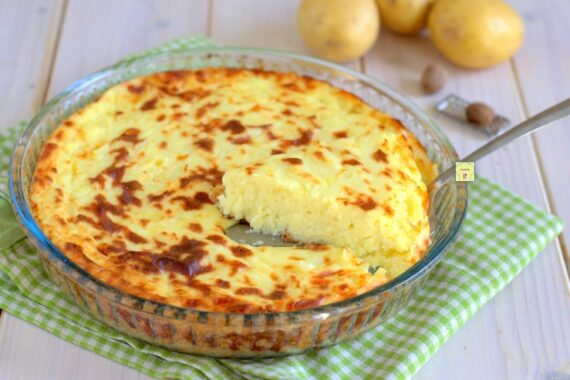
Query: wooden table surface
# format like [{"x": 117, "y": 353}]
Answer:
[{"x": 524, "y": 332}]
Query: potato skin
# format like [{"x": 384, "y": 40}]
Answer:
[
  {"x": 339, "y": 30},
  {"x": 475, "y": 34},
  {"x": 404, "y": 16}
]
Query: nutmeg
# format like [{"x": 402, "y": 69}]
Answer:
[
  {"x": 433, "y": 78},
  {"x": 479, "y": 114}
]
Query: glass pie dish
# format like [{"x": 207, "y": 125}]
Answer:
[{"x": 230, "y": 334}]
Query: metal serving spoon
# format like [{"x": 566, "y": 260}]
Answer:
[{"x": 242, "y": 232}]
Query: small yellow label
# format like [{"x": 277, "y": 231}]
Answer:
[{"x": 465, "y": 171}]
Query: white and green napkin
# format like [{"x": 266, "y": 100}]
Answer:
[{"x": 501, "y": 235}]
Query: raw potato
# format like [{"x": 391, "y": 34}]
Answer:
[
  {"x": 339, "y": 30},
  {"x": 475, "y": 33},
  {"x": 404, "y": 16}
]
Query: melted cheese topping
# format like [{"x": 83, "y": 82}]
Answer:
[{"x": 127, "y": 186}]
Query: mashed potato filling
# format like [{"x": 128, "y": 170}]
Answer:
[{"x": 366, "y": 195}]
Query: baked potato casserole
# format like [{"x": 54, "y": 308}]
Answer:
[{"x": 138, "y": 187}]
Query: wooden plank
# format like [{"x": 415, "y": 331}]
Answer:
[
  {"x": 543, "y": 74},
  {"x": 27, "y": 40},
  {"x": 524, "y": 331},
  {"x": 99, "y": 33},
  {"x": 260, "y": 24},
  {"x": 94, "y": 34},
  {"x": 254, "y": 23},
  {"x": 52, "y": 358}
]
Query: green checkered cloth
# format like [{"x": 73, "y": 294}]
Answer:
[{"x": 501, "y": 235}]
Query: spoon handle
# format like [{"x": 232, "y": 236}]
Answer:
[{"x": 530, "y": 125}]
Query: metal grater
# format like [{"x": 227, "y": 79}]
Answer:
[{"x": 454, "y": 107}]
